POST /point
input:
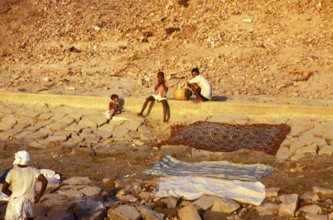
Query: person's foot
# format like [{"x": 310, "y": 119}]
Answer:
[
  {"x": 197, "y": 101},
  {"x": 165, "y": 121},
  {"x": 140, "y": 114}
]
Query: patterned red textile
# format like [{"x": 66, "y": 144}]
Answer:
[{"x": 215, "y": 136}]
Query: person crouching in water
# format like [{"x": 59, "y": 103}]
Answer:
[
  {"x": 160, "y": 90},
  {"x": 22, "y": 180}
]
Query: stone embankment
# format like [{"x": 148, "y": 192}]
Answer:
[{"x": 101, "y": 162}]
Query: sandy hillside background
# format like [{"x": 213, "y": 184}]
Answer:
[{"x": 274, "y": 48}]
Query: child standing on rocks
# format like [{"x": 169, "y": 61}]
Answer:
[
  {"x": 160, "y": 89},
  {"x": 114, "y": 108}
]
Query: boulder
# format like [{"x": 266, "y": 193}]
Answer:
[
  {"x": 268, "y": 209},
  {"x": 124, "y": 212},
  {"x": 91, "y": 191},
  {"x": 314, "y": 209},
  {"x": 225, "y": 205},
  {"x": 188, "y": 213},
  {"x": 326, "y": 150},
  {"x": 205, "y": 202},
  {"x": 77, "y": 181},
  {"x": 289, "y": 205}
]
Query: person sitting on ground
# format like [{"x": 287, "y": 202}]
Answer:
[
  {"x": 22, "y": 180},
  {"x": 160, "y": 89},
  {"x": 200, "y": 87},
  {"x": 114, "y": 108}
]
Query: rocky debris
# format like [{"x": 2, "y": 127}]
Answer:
[
  {"x": 124, "y": 212},
  {"x": 188, "y": 213},
  {"x": 289, "y": 205}
]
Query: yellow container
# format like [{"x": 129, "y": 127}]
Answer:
[{"x": 182, "y": 94}]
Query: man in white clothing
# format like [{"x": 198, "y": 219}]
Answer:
[
  {"x": 200, "y": 87},
  {"x": 22, "y": 180}
]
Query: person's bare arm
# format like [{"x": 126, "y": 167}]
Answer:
[
  {"x": 164, "y": 86},
  {"x": 44, "y": 185},
  {"x": 5, "y": 189}
]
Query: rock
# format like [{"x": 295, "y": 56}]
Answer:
[
  {"x": 56, "y": 139},
  {"x": 107, "y": 127},
  {"x": 148, "y": 214},
  {"x": 145, "y": 136},
  {"x": 205, "y": 202},
  {"x": 104, "y": 134},
  {"x": 90, "y": 210},
  {"x": 294, "y": 146},
  {"x": 99, "y": 119},
  {"x": 90, "y": 138},
  {"x": 289, "y": 205},
  {"x": 209, "y": 215},
  {"x": 268, "y": 209},
  {"x": 127, "y": 198},
  {"x": 145, "y": 196},
  {"x": 225, "y": 205},
  {"x": 62, "y": 133},
  {"x": 270, "y": 192},
  {"x": 313, "y": 149},
  {"x": 313, "y": 209},
  {"x": 282, "y": 154},
  {"x": 311, "y": 216},
  {"x": 77, "y": 181},
  {"x": 310, "y": 197},
  {"x": 188, "y": 213},
  {"x": 138, "y": 142},
  {"x": 57, "y": 213},
  {"x": 60, "y": 125},
  {"x": 7, "y": 122},
  {"x": 120, "y": 132},
  {"x": 132, "y": 125},
  {"x": 91, "y": 191},
  {"x": 53, "y": 199},
  {"x": 71, "y": 193},
  {"x": 124, "y": 212},
  {"x": 326, "y": 150},
  {"x": 36, "y": 144},
  {"x": 76, "y": 127},
  {"x": 170, "y": 202},
  {"x": 88, "y": 123},
  {"x": 323, "y": 193}
]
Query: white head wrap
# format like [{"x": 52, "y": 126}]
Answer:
[{"x": 21, "y": 158}]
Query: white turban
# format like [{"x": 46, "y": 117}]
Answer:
[{"x": 21, "y": 158}]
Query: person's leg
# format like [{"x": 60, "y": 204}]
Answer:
[
  {"x": 150, "y": 98},
  {"x": 196, "y": 90},
  {"x": 164, "y": 103}
]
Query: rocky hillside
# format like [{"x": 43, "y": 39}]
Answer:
[{"x": 275, "y": 47}]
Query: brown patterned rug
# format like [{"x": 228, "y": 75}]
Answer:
[{"x": 215, "y": 136}]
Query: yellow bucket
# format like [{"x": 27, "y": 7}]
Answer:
[{"x": 182, "y": 94}]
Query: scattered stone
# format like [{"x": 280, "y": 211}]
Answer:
[
  {"x": 225, "y": 205},
  {"x": 91, "y": 191},
  {"x": 323, "y": 193},
  {"x": 76, "y": 127},
  {"x": 326, "y": 150},
  {"x": 313, "y": 149},
  {"x": 124, "y": 212},
  {"x": 271, "y": 192},
  {"x": 104, "y": 134},
  {"x": 289, "y": 205},
  {"x": 188, "y": 213},
  {"x": 7, "y": 122},
  {"x": 268, "y": 209},
  {"x": 88, "y": 123},
  {"x": 77, "y": 181},
  {"x": 313, "y": 209},
  {"x": 311, "y": 216},
  {"x": 170, "y": 202},
  {"x": 90, "y": 210},
  {"x": 71, "y": 193},
  {"x": 282, "y": 154},
  {"x": 149, "y": 214},
  {"x": 205, "y": 202}
]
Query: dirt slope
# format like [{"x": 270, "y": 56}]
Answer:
[{"x": 276, "y": 48}]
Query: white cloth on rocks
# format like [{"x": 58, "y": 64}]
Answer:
[
  {"x": 192, "y": 188},
  {"x": 51, "y": 176}
]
